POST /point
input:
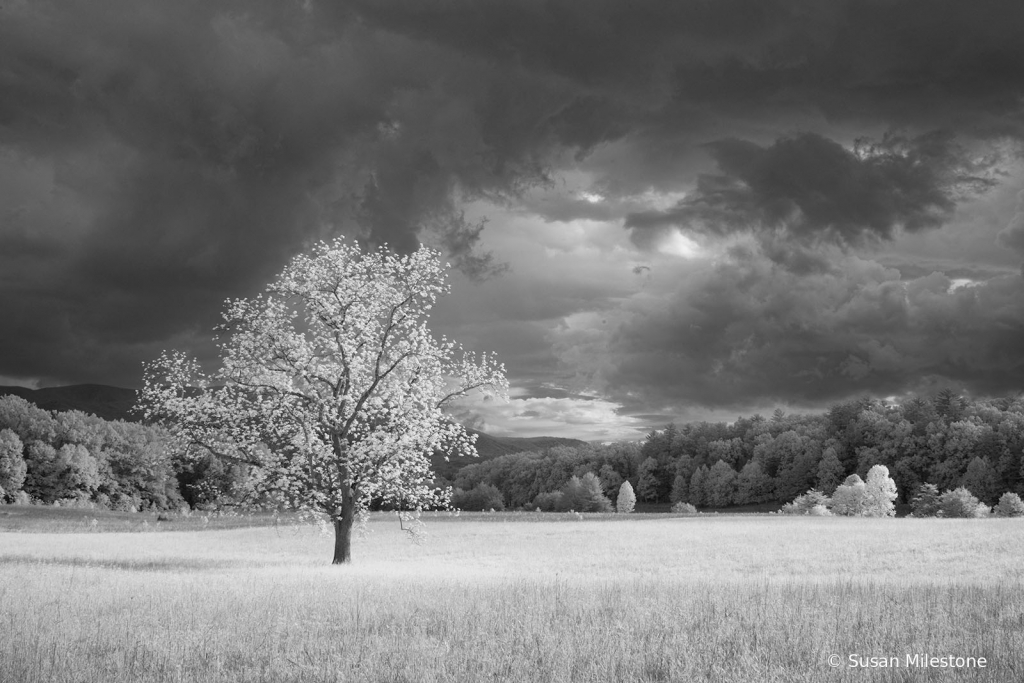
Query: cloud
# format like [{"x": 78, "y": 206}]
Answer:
[
  {"x": 579, "y": 417},
  {"x": 158, "y": 158},
  {"x": 1013, "y": 235},
  {"x": 741, "y": 331},
  {"x": 812, "y": 189}
]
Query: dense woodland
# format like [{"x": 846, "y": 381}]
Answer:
[
  {"x": 946, "y": 440},
  {"x": 71, "y": 457}
]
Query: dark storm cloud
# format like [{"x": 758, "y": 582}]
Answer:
[
  {"x": 744, "y": 332},
  {"x": 599, "y": 42},
  {"x": 159, "y": 157},
  {"x": 667, "y": 77},
  {"x": 774, "y": 93},
  {"x": 1013, "y": 235},
  {"x": 813, "y": 189},
  {"x": 941, "y": 64}
]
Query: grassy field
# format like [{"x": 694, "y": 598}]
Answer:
[{"x": 513, "y": 598}]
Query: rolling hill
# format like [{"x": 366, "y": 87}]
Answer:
[{"x": 489, "y": 447}]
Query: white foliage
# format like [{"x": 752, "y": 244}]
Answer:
[
  {"x": 880, "y": 493},
  {"x": 874, "y": 498},
  {"x": 626, "y": 500},
  {"x": 848, "y": 499},
  {"x": 332, "y": 387}
]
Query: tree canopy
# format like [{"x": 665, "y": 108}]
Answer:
[{"x": 332, "y": 386}]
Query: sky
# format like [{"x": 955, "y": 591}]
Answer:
[{"x": 655, "y": 211}]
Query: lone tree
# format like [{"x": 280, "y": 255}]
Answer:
[
  {"x": 332, "y": 387},
  {"x": 880, "y": 493},
  {"x": 626, "y": 500}
]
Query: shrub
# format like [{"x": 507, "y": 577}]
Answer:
[
  {"x": 849, "y": 498},
  {"x": 926, "y": 502},
  {"x": 684, "y": 509},
  {"x": 874, "y": 498},
  {"x": 584, "y": 494},
  {"x": 625, "y": 502},
  {"x": 549, "y": 502},
  {"x": 1010, "y": 505},
  {"x": 479, "y": 498},
  {"x": 961, "y": 503},
  {"x": 805, "y": 503}
]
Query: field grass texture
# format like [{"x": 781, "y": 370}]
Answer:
[{"x": 516, "y": 598}]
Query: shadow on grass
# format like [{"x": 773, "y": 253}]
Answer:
[
  {"x": 72, "y": 520},
  {"x": 158, "y": 565}
]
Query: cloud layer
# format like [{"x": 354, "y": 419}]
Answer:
[
  {"x": 741, "y": 331},
  {"x": 716, "y": 204},
  {"x": 814, "y": 190},
  {"x": 158, "y": 158}
]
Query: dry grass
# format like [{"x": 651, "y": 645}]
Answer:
[{"x": 505, "y": 598}]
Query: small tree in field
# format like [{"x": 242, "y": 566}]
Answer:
[
  {"x": 848, "y": 498},
  {"x": 879, "y": 493},
  {"x": 626, "y": 500},
  {"x": 874, "y": 498},
  {"x": 584, "y": 494},
  {"x": 480, "y": 498},
  {"x": 811, "y": 503},
  {"x": 332, "y": 386},
  {"x": 961, "y": 503},
  {"x": 1010, "y": 505}
]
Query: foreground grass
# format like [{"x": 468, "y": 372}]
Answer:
[{"x": 501, "y": 599}]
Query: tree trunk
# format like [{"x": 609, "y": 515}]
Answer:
[
  {"x": 342, "y": 541},
  {"x": 343, "y": 529}
]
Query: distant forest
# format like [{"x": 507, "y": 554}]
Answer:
[
  {"x": 55, "y": 448},
  {"x": 946, "y": 440},
  {"x": 71, "y": 457}
]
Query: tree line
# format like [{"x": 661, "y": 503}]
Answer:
[
  {"x": 75, "y": 458},
  {"x": 947, "y": 440}
]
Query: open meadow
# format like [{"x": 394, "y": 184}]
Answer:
[{"x": 507, "y": 597}]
